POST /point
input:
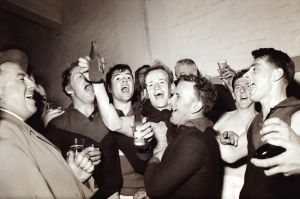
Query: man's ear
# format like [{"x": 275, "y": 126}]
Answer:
[
  {"x": 69, "y": 89},
  {"x": 196, "y": 106},
  {"x": 277, "y": 74}
]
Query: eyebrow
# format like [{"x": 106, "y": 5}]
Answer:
[{"x": 119, "y": 73}]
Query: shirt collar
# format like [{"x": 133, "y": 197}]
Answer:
[
  {"x": 11, "y": 113},
  {"x": 200, "y": 123}
]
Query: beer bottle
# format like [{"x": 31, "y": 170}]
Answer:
[{"x": 96, "y": 64}]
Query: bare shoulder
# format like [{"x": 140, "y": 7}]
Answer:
[
  {"x": 223, "y": 120},
  {"x": 295, "y": 122}
]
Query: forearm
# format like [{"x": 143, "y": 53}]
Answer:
[{"x": 108, "y": 112}]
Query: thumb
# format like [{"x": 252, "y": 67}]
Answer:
[{"x": 70, "y": 157}]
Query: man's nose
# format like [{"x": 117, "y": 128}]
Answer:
[
  {"x": 156, "y": 86},
  {"x": 243, "y": 89},
  {"x": 29, "y": 83}
]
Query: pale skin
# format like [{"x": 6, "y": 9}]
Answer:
[
  {"x": 17, "y": 84},
  {"x": 107, "y": 110},
  {"x": 268, "y": 85},
  {"x": 232, "y": 126}
]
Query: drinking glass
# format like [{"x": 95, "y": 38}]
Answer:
[{"x": 78, "y": 145}]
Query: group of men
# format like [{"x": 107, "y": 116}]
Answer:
[{"x": 185, "y": 147}]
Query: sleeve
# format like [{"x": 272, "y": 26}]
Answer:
[
  {"x": 19, "y": 175},
  {"x": 180, "y": 164}
]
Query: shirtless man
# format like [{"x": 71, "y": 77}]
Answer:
[{"x": 235, "y": 121}]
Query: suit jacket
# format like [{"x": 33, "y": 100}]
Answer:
[{"x": 31, "y": 166}]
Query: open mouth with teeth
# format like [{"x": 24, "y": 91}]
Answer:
[
  {"x": 243, "y": 98},
  {"x": 29, "y": 95},
  {"x": 125, "y": 89},
  {"x": 158, "y": 95}
]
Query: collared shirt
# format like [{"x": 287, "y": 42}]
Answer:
[
  {"x": 189, "y": 167},
  {"x": 73, "y": 124},
  {"x": 74, "y": 121},
  {"x": 9, "y": 112}
]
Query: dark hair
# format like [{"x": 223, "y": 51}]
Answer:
[
  {"x": 188, "y": 61},
  {"x": 279, "y": 59},
  {"x": 204, "y": 90},
  {"x": 66, "y": 76},
  {"x": 117, "y": 67},
  {"x": 158, "y": 65},
  {"x": 238, "y": 75},
  {"x": 138, "y": 86}
]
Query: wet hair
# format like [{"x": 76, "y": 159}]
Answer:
[
  {"x": 119, "y": 68},
  {"x": 238, "y": 75},
  {"x": 158, "y": 65},
  {"x": 204, "y": 90},
  {"x": 279, "y": 59},
  {"x": 188, "y": 61},
  {"x": 66, "y": 76}
]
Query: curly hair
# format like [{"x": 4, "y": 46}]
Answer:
[{"x": 204, "y": 90}]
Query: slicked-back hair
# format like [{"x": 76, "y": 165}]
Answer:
[
  {"x": 188, "y": 61},
  {"x": 204, "y": 90},
  {"x": 238, "y": 75},
  {"x": 279, "y": 59},
  {"x": 159, "y": 66},
  {"x": 66, "y": 76},
  {"x": 119, "y": 68}
]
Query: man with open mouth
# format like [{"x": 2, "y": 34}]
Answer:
[
  {"x": 188, "y": 166},
  {"x": 31, "y": 166},
  {"x": 235, "y": 121}
]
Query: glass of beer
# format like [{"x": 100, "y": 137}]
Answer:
[{"x": 78, "y": 145}]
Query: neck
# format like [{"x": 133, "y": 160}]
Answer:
[
  {"x": 168, "y": 107},
  {"x": 12, "y": 113},
  {"x": 250, "y": 111},
  {"x": 271, "y": 102},
  {"x": 84, "y": 108},
  {"x": 194, "y": 116},
  {"x": 125, "y": 107}
]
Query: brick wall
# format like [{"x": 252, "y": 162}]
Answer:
[
  {"x": 117, "y": 27},
  {"x": 207, "y": 30},
  {"x": 204, "y": 30}
]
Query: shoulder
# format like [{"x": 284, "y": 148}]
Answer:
[
  {"x": 295, "y": 124},
  {"x": 61, "y": 119},
  {"x": 218, "y": 125},
  {"x": 191, "y": 136}
]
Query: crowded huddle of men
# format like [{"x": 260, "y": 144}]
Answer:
[{"x": 240, "y": 139}]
